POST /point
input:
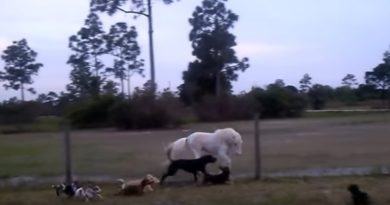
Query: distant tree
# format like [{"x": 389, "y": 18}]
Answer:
[
  {"x": 12, "y": 100},
  {"x": 112, "y": 6},
  {"x": 279, "y": 100},
  {"x": 367, "y": 92},
  {"x": 380, "y": 77},
  {"x": 20, "y": 66},
  {"x": 89, "y": 46},
  {"x": 50, "y": 98},
  {"x": 216, "y": 64},
  {"x": 319, "y": 95},
  {"x": 349, "y": 80},
  {"x": 83, "y": 84},
  {"x": 345, "y": 94},
  {"x": 279, "y": 83},
  {"x": 305, "y": 83},
  {"x": 122, "y": 44},
  {"x": 137, "y": 7},
  {"x": 292, "y": 89},
  {"x": 110, "y": 88}
]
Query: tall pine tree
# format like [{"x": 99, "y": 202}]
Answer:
[
  {"x": 216, "y": 64},
  {"x": 89, "y": 46},
  {"x": 122, "y": 44}
]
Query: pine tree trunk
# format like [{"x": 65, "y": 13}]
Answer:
[
  {"x": 122, "y": 87},
  {"x": 218, "y": 84},
  {"x": 22, "y": 91},
  {"x": 128, "y": 85},
  {"x": 151, "y": 49}
]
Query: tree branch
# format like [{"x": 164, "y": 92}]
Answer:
[{"x": 133, "y": 12}]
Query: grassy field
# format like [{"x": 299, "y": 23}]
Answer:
[
  {"x": 346, "y": 141},
  {"x": 281, "y": 191},
  {"x": 41, "y": 124},
  {"x": 351, "y": 140}
]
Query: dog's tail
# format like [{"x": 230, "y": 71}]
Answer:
[{"x": 122, "y": 181}]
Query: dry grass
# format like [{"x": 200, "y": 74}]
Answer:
[{"x": 283, "y": 191}]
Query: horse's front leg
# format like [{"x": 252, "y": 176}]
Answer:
[{"x": 224, "y": 159}]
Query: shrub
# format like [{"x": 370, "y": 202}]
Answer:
[
  {"x": 279, "y": 101},
  {"x": 144, "y": 111},
  {"x": 226, "y": 108},
  {"x": 92, "y": 113},
  {"x": 19, "y": 112}
]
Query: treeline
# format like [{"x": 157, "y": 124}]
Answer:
[
  {"x": 103, "y": 62},
  {"x": 167, "y": 110}
]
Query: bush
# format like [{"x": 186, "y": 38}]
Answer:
[
  {"x": 279, "y": 101},
  {"x": 144, "y": 111},
  {"x": 19, "y": 112},
  {"x": 226, "y": 108},
  {"x": 92, "y": 113}
]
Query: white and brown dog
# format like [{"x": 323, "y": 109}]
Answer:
[{"x": 138, "y": 186}]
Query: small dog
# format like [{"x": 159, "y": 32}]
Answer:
[
  {"x": 66, "y": 189},
  {"x": 358, "y": 197},
  {"x": 138, "y": 187},
  {"x": 189, "y": 165},
  {"x": 221, "y": 178},
  {"x": 89, "y": 192}
]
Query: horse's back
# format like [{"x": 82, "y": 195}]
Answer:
[
  {"x": 200, "y": 137},
  {"x": 180, "y": 150}
]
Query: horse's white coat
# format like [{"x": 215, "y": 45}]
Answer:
[{"x": 223, "y": 144}]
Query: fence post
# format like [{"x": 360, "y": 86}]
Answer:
[
  {"x": 67, "y": 152},
  {"x": 257, "y": 148}
]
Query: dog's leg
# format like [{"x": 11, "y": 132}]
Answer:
[
  {"x": 195, "y": 177},
  {"x": 163, "y": 178},
  {"x": 171, "y": 171}
]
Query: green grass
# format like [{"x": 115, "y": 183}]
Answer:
[
  {"x": 41, "y": 124},
  {"x": 289, "y": 144},
  {"x": 282, "y": 191},
  {"x": 343, "y": 114},
  {"x": 339, "y": 141}
]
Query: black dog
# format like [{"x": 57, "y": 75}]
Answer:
[
  {"x": 221, "y": 178},
  {"x": 358, "y": 197},
  {"x": 189, "y": 165}
]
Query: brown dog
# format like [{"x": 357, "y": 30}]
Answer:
[{"x": 138, "y": 187}]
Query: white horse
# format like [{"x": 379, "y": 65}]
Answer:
[{"x": 223, "y": 144}]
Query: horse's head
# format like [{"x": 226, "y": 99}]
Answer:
[{"x": 233, "y": 139}]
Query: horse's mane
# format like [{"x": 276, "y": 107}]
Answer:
[{"x": 228, "y": 134}]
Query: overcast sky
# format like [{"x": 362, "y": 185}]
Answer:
[{"x": 283, "y": 39}]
